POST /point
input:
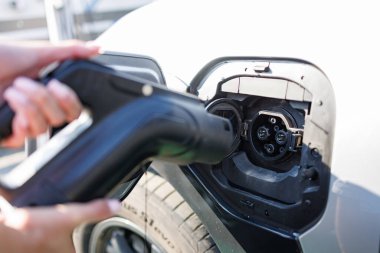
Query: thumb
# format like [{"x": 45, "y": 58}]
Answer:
[
  {"x": 67, "y": 50},
  {"x": 93, "y": 211}
]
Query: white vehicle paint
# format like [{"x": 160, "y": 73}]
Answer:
[{"x": 338, "y": 37}]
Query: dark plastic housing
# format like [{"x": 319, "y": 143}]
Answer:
[
  {"x": 264, "y": 197},
  {"x": 135, "y": 121}
]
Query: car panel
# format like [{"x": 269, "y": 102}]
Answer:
[{"x": 328, "y": 34}]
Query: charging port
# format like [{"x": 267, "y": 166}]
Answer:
[
  {"x": 273, "y": 132},
  {"x": 279, "y": 173},
  {"x": 273, "y": 136}
]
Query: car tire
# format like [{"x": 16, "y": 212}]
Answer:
[{"x": 159, "y": 216}]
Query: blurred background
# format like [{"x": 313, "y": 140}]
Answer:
[{"x": 61, "y": 19}]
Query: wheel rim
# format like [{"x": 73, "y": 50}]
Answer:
[{"x": 119, "y": 235}]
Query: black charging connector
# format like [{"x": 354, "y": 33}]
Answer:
[{"x": 134, "y": 122}]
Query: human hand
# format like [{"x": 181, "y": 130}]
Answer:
[
  {"x": 49, "y": 229},
  {"x": 28, "y": 58},
  {"x": 37, "y": 107}
]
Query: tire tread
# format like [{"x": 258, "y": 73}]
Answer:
[{"x": 188, "y": 223}]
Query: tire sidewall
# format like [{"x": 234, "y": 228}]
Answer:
[{"x": 157, "y": 219}]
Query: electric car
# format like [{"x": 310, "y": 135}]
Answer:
[{"x": 298, "y": 82}]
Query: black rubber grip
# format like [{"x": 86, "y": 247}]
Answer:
[{"x": 6, "y": 118}]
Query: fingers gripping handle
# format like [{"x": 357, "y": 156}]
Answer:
[{"x": 94, "y": 85}]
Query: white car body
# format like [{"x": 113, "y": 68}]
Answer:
[{"x": 339, "y": 38}]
